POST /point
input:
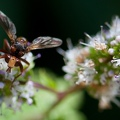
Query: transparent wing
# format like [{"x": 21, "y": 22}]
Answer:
[
  {"x": 8, "y": 26},
  {"x": 44, "y": 42}
]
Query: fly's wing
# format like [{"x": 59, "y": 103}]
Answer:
[
  {"x": 8, "y": 26},
  {"x": 44, "y": 42}
]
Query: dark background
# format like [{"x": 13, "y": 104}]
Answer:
[{"x": 62, "y": 19}]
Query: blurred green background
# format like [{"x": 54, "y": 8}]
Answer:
[{"x": 62, "y": 19}]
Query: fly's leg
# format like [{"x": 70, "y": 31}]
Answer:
[
  {"x": 19, "y": 64},
  {"x": 6, "y": 58},
  {"x": 6, "y": 46},
  {"x": 21, "y": 70},
  {"x": 25, "y": 61}
]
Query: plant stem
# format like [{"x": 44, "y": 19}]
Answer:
[
  {"x": 40, "y": 86},
  {"x": 60, "y": 96}
]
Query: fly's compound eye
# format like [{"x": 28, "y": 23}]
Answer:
[{"x": 22, "y": 41}]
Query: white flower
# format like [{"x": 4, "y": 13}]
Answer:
[
  {"x": 87, "y": 75},
  {"x": 3, "y": 64},
  {"x": 19, "y": 94},
  {"x": 114, "y": 28},
  {"x": 100, "y": 46},
  {"x": 88, "y": 63},
  {"x": 97, "y": 64},
  {"x": 117, "y": 38},
  {"x": 11, "y": 75},
  {"x": 77, "y": 54},
  {"x": 30, "y": 58},
  {"x": 28, "y": 91},
  {"x": 87, "y": 72},
  {"x": 98, "y": 42},
  {"x": 103, "y": 78},
  {"x": 116, "y": 61},
  {"x": 16, "y": 104},
  {"x": 108, "y": 95},
  {"x": 111, "y": 51},
  {"x": 2, "y": 85},
  {"x": 70, "y": 67},
  {"x": 113, "y": 43}
]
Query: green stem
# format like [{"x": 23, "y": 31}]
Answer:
[
  {"x": 60, "y": 96},
  {"x": 40, "y": 86}
]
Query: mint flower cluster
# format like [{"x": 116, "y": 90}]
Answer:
[
  {"x": 96, "y": 64},
  {"x": 22, "y": 90}
]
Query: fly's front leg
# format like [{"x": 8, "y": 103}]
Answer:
[
  {"x": 6, "y": 46},
  {"x": 19, "y": 64},
  {"x": 25, "y": 61},
  {"x": 3, "y": 51},
  {"x": 2, "y": 56}
]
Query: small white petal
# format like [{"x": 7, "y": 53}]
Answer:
[
  {"x": 113, "y": 42},
  {"x": 2, "y": 85},
  {"x": 118, "y": 38},
  {"x": 111, "y": 51},
  {"x": 29, "y": 101}
]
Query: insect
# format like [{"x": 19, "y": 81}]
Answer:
[{"x": 19, "y": 46}]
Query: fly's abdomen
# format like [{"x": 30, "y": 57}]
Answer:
[{"x": 12, "y": 61}]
